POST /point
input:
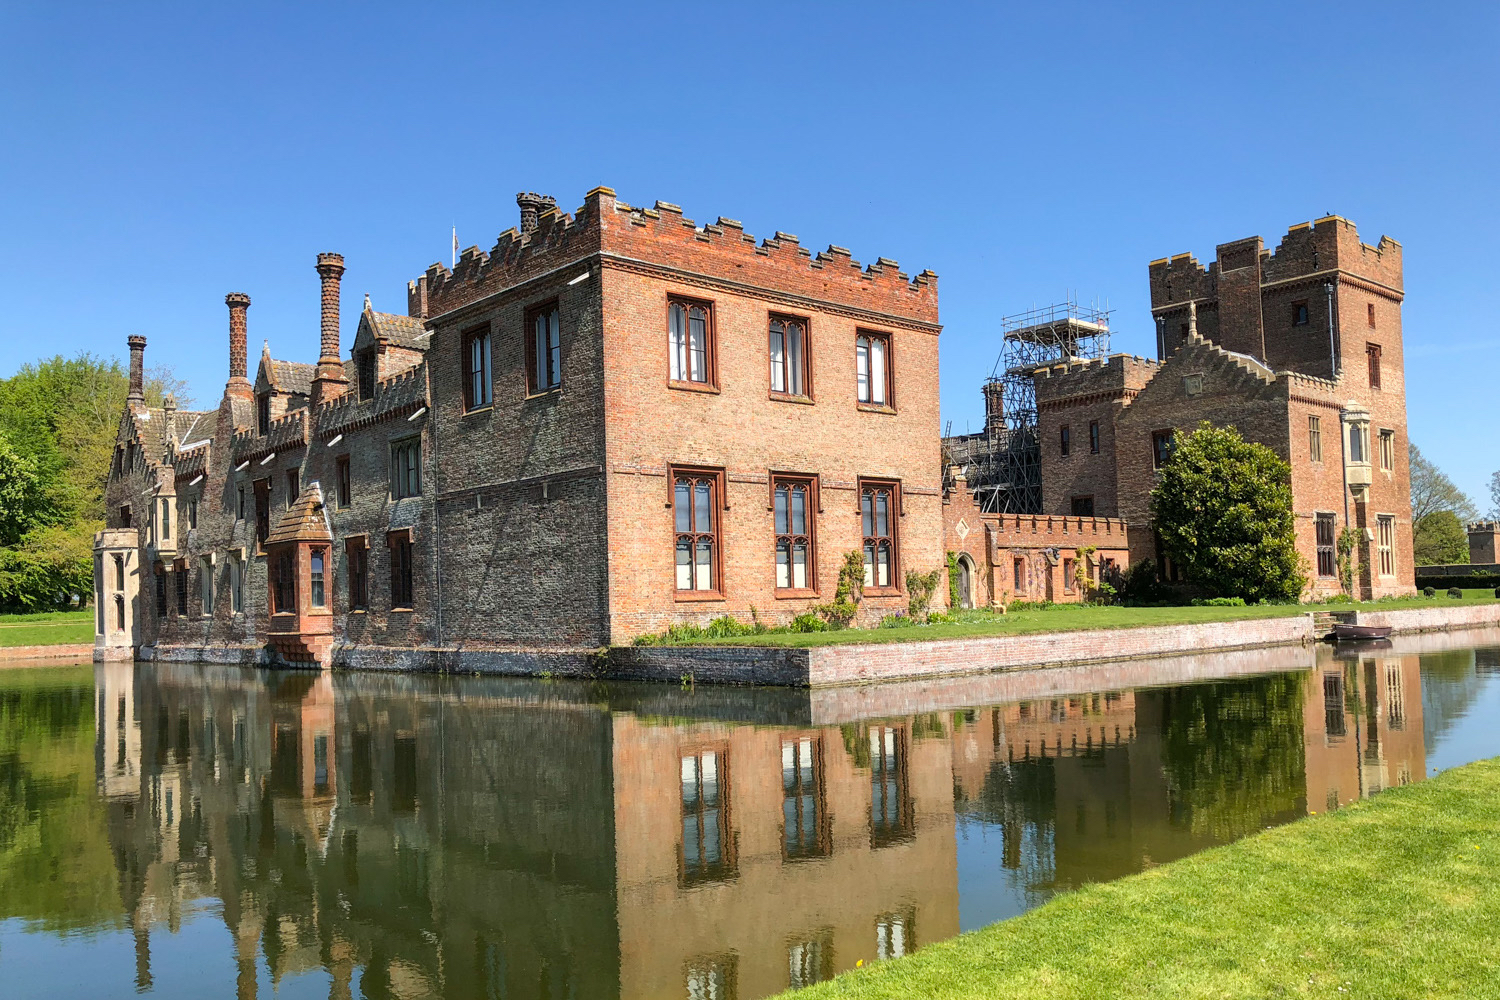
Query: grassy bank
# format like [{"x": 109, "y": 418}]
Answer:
[
  {"x": 50, "y": 629},
  {"x": 1394, "y": 897},
  {"x": 1069, "y": 617}
]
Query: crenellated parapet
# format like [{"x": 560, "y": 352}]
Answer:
[
  {"x": 662, "y": 237},
  {"x": 400, "y": 395},
  {"x": 1118, "y": 377},
  {"x": 289, "y": 431},
  {"x": 1032, "y": 530}
]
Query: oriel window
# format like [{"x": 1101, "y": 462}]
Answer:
[
  {"x": 789, "y": 356},
  {"x": 792, "y": 503},
  {"x": 695, "y": 512},
  {"x": 543, "y": 349},
  {"x": 872, "y": 368},
  {"x": 316, "y": 592},
  {"x": 690, "y": 341}
]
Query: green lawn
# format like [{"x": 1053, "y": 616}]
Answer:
[
  {"x": 1392, "y": 898},
  {"x": 53, "y": 628},
  {"x": 1068, "y": 617}
]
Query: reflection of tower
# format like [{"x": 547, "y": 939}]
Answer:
[
  {"x": 302, "y": 730},
  {"x": 117, "y": 727},
  {"x": 1363, "y": 724}
]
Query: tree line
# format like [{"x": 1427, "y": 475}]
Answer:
[{"x": 59, "y": 419}]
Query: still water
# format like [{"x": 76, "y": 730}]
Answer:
[{"x": 190, "y": 830}]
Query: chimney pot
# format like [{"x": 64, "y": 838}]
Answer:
[{"x": 532, "y": 206}]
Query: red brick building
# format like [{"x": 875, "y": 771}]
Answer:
[
  {"x": 1301, "y": 350},
  {"x": 612, "y": 422}
]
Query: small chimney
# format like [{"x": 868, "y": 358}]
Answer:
[
  {"x": 532, "y": 206},
  {"x": 329, "y": 380},
  {"x": 994, "y": 408},
  {"x": 137, "y": 369},
  {"x": 238, "y": 303}
]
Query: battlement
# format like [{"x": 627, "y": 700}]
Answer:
[
  {"x": 1308, "y": 248},
  {"x": 288, "y": 431},
  {"x": 402, "y": 393},
  {"x": 1118, "y": 375},
  {"x": 663, "y": 236},
  {"x": 1064, "y": 531}
]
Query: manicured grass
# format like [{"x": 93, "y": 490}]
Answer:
[
  {"x": 54, "y": 628},
  {"x": 1070, "y": 617},
  {"x": 1395, "y": 897}
]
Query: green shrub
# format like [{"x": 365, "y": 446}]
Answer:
[
  {"x": 953, "y": 599},
  {"x": 1478, "y": 581},
  {"x": 919, "y": 589},
  {"x": 941, "y": 618},
  {"x": 846, "y": 597},
  {"x": 1429, "y": 591},
  {"x": 1455, "y": 593},
  {"x": 896, "y": 620},
  {"x": 1141, "y": 585},
  {"x": 808, "y": 622},
  {"x": 1218, "y": 602}
]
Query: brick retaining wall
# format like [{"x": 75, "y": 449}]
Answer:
[
  {"x": 1432, "y": 619},
  {"x": 62, "y": 651}
]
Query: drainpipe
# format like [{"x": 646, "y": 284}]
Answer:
[
  {"x": 1344, "y": 460},
  {"x": 1333, "y": 349},
  {"x": 1161, "y": 324}
]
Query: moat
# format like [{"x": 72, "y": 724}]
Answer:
[{"x": 193, "y": 830}]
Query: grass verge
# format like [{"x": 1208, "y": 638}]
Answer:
[
  {"x": 1398, "y": 896},
  {"x": 48, "y": 629},
  {"x": 1072, "y": 617}
]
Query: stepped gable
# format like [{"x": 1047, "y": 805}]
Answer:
[
  {"x": 1231, "y": 372},
  {"x": 304, "y": 521},
  {"x": 289, "y": 431},
  {"x": 399, "y": 395},
  {"x": 662, "y": 237}
]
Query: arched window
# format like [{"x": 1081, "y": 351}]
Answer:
[
  {"x": 119, "y": 572},
  {"x": 119, "y": 612},
  {"x": 689, "y": 336}
]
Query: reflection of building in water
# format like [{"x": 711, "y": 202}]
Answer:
[
  {"x": 1363, "y": 718},
  {"x": 777, "y": 857},
  {"x": 420, "y": 839},
  {"x": 424, "y": 837}
]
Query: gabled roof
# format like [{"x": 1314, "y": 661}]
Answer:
[
  {"x": 304, "y": 520},
  {"x": 393, "y": 328},
  {"x": 194, "y": 426},
  {"x": 283, "y": 376}
]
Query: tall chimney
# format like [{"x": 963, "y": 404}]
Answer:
[
  {"x": 329, "y": 380},
  {"x": 994, "y": 408},
  {"x": 239, "y": 381},
  {"x": 137, "y": 369}
]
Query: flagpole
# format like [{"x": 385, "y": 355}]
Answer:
[{"x": 455, "y": 247}]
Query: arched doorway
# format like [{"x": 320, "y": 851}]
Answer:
[{"x": 965, "y": 582}]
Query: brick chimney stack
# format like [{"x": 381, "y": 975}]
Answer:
[
  {"x": 137, "y": 397},
  {"x": 994, "y": 408},
  {"x": 329, "y": 380},
  {"x": 532, "y": 206},
  {"x": 239, "y": 381}
]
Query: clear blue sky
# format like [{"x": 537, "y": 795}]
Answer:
[{"x": 153, "y": 158}]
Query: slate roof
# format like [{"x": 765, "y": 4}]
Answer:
[
  {"x": 292, "y": 376},
  {"x": 402, "y": 331},
  {"x": 194, "y": 426},
  {"x": 304, "y": 520}
]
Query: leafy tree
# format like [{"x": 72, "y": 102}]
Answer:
[
  {"x": 1495, "y": 494},
  {"x": 58, "y": 422},
  {"x": 1223, "y": 509},
  {"x": 1432, "y": 491},
  {"x": 1440, "y": 539}
]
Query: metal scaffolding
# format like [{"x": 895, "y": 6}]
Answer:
[{"x": 1003, "y": 462}]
